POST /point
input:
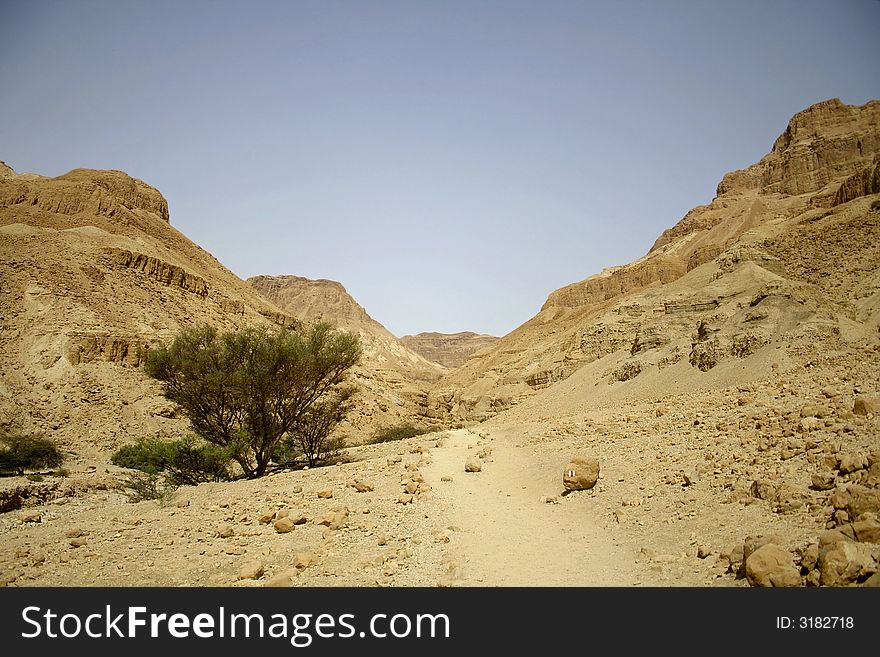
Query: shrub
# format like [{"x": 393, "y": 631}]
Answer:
[
  {"x": 185, "y": 462},
  {"x": 61, "y": 472},
  {"x": 245, "y": 391},
  {"x": 398, "y": 432},
  {"x": 19, "y": 452},
  {"x": 143, "y": 486}
]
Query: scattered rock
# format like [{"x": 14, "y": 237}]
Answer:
[
  {"x": 334, "y": 519},
  {"x": 77, "y": 542},
  {"x": 252, "y": 570},
  {"x": 405, "y": 498},
  {"x": 823, "y": 480},
  {"x": 862, "y": 500},
  {"x": 445, "y": 478},
  {"x": 74, "y": 533},
  {"x": 304, "y": 560},
  {"x": 325, "y": 494},
  {"x": 266, "y": 518},
  {"x": 581, "y": 473},
  {"x": 845, "y": 562},
  {"x": 296, "y": 489},
  {"x": 473, "y": 464},
  {"x": 788, "y": 498},
  {"x": 284, "y": 525},
  {"x": 30, "y": 516},
  {"x": 867, "y": 531},
  {"x": 361, "y": 486},
  {"x": 281, "y": 580},
  {"x": 810, "y": 558},
  {"x": 763, "y": 489},
  {"x": 852, "y": 462},
  {"x": 866, "y": 404},
  {"x": 770, "y": 565},
  {"x": 225, "y": 531}
]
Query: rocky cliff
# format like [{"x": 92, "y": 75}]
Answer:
[
  {"x": 720, "y": 284},
  {"x": 448, "y": 349}
]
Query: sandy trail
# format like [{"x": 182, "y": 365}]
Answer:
[{"x": 505, "y": 536}]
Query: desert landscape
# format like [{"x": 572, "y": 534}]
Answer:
[{"x": 707, "y": 415}]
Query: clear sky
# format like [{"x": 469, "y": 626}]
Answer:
[{"x": 450, "y": 162}]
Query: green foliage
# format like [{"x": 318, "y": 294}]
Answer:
[
  {"x": 19, "y": 452},
  {"x": 61, "y": 472},
  {"x": 311, "y": 433},
  {"x": 875, "y": 206},
  {"x": 246, "y": 391},
  {"x": 185, "y": 462},
  {"x": 398, "y": 432},
  {"x": 35, "y": 477},
  {"x": 143, "y": 486}
]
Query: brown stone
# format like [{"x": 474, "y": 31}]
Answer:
[
  {"x": 823, "y": 480},
  {"x": 862, "y": 500},
  {"x": 284, "y": 525},
  {"x": 581, "y": 473},
  {"x": 473, "y": 464},
  {"x": 251, "y": 570},
  {"x": 867, "y": 531},
  {"x": 770, "y": 565},
  {"x": 763, "y": 489},
  {"x": 845, "y": 562},
  {"x": 866, "y": 404},
  {"x": 281, "y": 580},
  {"x": 325, "y": 494}
]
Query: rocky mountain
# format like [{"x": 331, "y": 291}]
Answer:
[
  {"x": 786, "y": 253},
  {"x": 448, "y": 349},
  {"x": 328, "y": 301},
  {"x": 91, "y": 273}
]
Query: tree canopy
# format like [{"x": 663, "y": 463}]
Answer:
[{"x": 247, "y": 390}]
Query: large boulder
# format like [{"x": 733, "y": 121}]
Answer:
[
  {"x": 770, "y": 565},
  {"x": 581, "y": 473},
  {"x": 844, "y": 562}
]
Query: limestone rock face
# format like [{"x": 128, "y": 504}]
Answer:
[
  {"x": 448, "y": 349},
  {"x": 92, "y": 275}
]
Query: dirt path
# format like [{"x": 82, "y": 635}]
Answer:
[{"x": 503, "y": 535}]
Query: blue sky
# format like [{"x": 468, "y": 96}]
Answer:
[{"x": 451, "y": 163}]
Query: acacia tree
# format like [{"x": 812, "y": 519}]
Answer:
[
  {"x": 248, "y": 389},
  {"x": 312, "y": 431}
]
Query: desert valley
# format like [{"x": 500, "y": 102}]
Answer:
[{"x": 727, "y": 382}]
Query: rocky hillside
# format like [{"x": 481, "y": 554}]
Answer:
[
  {"x": 91, "y": 272},
  {"x": 785, "y": 254},
  {"x": 448, "y": 349},
  {"x": 328, "y": 301}
]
